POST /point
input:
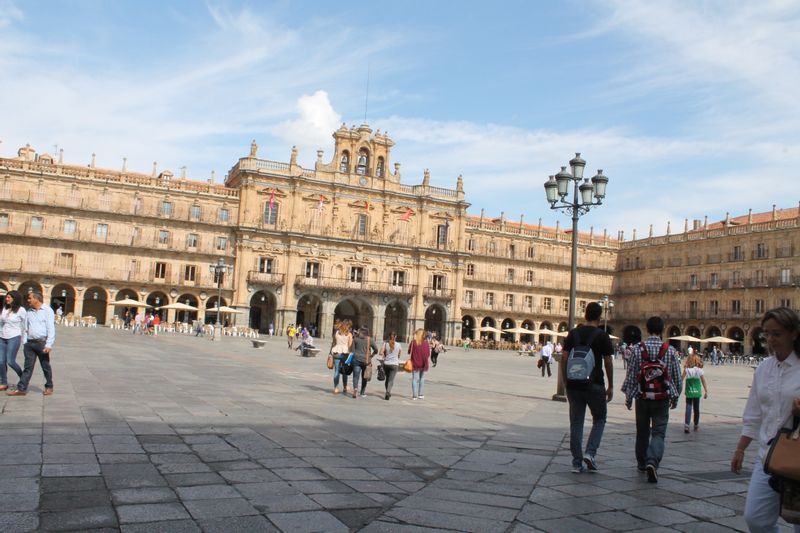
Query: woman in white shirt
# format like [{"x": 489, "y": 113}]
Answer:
[
  {"x": 12, "y": 323},
  {"x": 774, "y": 398},
  {"x": 391, "y": 361}
]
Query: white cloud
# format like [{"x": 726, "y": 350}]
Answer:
[{"x": 313, "y": 128}]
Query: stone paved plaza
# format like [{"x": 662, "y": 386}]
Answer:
[{"x": 177, "y": 433}]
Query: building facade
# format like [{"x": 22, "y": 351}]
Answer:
[{"x": 348, "y": 239}]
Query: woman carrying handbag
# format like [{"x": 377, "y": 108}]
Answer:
[
  {"x": 391, "y": 360},
  {"x": 340, "y": 349},
  {"x": 420, "y": 352}
]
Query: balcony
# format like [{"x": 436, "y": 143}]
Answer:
[
  {"x": 265, "y": 278},
  {"x": 438, "y": 294},
  {"x": 345, "y": 285}
]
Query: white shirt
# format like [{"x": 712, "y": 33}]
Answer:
[
  {"x": 775, "y": 385},
  {"x": 12, "y": 323},
  {"x": 547, "y": 351},
  {"x": 391, "y": 357}
]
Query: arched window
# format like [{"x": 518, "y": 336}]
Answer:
[
  {"x": 271, "y": 213},
  {"x": 379, "y": 168},
  {"x": 363, "y": 162},
  {"x": 344, "y": 165}
]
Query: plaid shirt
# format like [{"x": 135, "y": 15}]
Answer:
[{"x": 631, "y": 385}]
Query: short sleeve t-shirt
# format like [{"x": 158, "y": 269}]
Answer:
[{"x": 601, "y": 347}]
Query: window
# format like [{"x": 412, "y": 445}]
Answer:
[
  {"x": 510, "y": 275},
  {"x": 512, "y": 251},
  {"x": 163, "y": 236},
  {"x": 714, "y": 280},
  {"x": 470, "y": 269},
  {"x": 713, "y": 307},
  {"x": 265, "y": 265},
  {"x": 224, "y": 215},
  {"x": 736, "y": 277},
  {"x": 489, "y": 299},
  {"x": 379, "y": 168},
  {"x": 438, "y": 282},
  {"x": 547, "y": 303},
  {"x": 102, "y": 230},
  {"x": 37, "y": 223},
  {"x": 786, "y": 302},
  {"x": 363, "y": 162},
  {"x": 195, "y": 212},
  {"x": 530, "y": 252},
  {"x": 191, "y": 240},
  {"x": 693, "y": 307},
  {"x": 222, "y": 243},
  {"x": 3, "y": 220},
  {"x": 492, "y": 247},
  {"x": 582, "y": 304},
  {"x": 564, "y": 305},
  {"x": 137, "y": 205},
  {"x": 69, "y": 227},
  {"x": 693, "y": 281},
  {"x": 189, "y": 272},
  {"x": 529, "y": 276},
  {"x": 271, "y": 213},
  {"x": 161, "y": 270},
  {"x": 759, "y": 277},
  {"x": 738, "y": 254},
  {"x": 134, "y": 235},
  {"x": 509, "y": 300},
  {"x": 760, "y": 308},
  {"x": 761, "y": 251},
  {"x": 362, "y": 225},
  {"x": 344, "y": 162},
  {"x": 398, "y": 278},
  {"x": 357, "y": 274},
  {"x": 529, "y": 302},
  {"x": 736, "y": 307},
  {"x": 469, "y": 297},
  {"x": 65, "y": 260},
  {"x": 441, "y": 235},
  {"x": 312, "y": 270},
  {"x": 786, "y": 276},
  {"x": 165, "y": 208},
  {"x": 471, "y": 245}
]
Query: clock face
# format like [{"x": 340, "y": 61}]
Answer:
[{"x": 362, "y": 181}]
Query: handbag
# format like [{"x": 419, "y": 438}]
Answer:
[
  {"x": 694, "y": 388},
  {"x": 540, "y": 363},
  {"x": 381, "y": 373},
  {"x": 330, "y": 362},
  {"x": 781, "y": 460},
  {"x": 346, "y": 367},
  {"x": 408, "y": 366}
]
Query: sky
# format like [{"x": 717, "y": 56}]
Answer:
[{"x": 689, "y": 107}]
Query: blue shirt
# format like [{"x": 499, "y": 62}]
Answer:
[{"x": 40, "y": 324}]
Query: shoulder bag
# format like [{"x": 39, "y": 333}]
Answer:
[{"x": 781, "y": 460}]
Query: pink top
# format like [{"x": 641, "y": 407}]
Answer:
[{"x": 420, "y": 354}]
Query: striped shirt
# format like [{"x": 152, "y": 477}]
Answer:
[{"x": 631, "y": 386}]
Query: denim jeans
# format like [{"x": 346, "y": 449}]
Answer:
[
  {"x": 8, "y": 356},
  {"x": 337, "y": 370},
  {"x": 358, "y": 370},
  {"x": 32, "y": 351},
  {"x": 417, "y": 383},
  {"x": 692, "y": 404},
  {"x": 595, "y": 398},
  {"x": 651, "y": 426}
]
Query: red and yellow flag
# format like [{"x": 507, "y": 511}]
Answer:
[{"x": 405, "y": 217}]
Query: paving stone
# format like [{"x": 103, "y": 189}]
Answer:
[
  {"x": 70, "y": 470},
  {"x": 701, "y": 509},
  {"x": 569, "y": 524},
  {"x": 307, "y": 522},
  {"x": 220, "y": 508},
  {"x": 115, "y": 458},
  {"x": 151, "y": 512},
  {"x": 64, "y": 501},
  {"x": 447, "y": 521},
  {"x": 19, "y": 522},
  {"x": 532, "y": 513},
  {"x": 237, "y": 524},
  {"x": 19, "y": 471},
  {"x": 166, "y": 526},
  {"x": 352, "y": 500},
  {"x": 183, "y": 468},
  {"x": 207, "y": 492},
  {"x": 24, "y": 501},
  {"x": 120, "y": 476},
  {"x": 460, "y": 508},
  {"x": 143, "y": 495},
  {"x": 661, "y": 515},
  {"x": 249, "y": 476},
  {"x": 17, "y": 485},
  {"x": 79, "y": 519},
  {"x": 617, "y": 521},
  {"x": 186, "y": 480},
  {"x": 69, "y": 484}
]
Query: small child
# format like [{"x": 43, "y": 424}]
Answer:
[{"x": 694, "y": 378}]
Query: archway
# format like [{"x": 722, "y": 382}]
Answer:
[
  {"x": 262, "y": 311},
  {"x": 29, "y": 286},
  {"x": 507, "y": 323},
  {"x": 95, "y": 303},
  {"x": 309, "y": 309},
  {"x": 359, "y": 313},
  {"x": 123, "y": 294},
  {"x": 631, "y": 335},
  {"x": 527, "y": 337},
  {"x": 674, "y": 331},
  {"x": 395, "y": 320},
  {"x": 543, "y": 338},
  {"x": 434, "y": 320},
  {"x": 759, "y": 342},
  {"x": 694, "y": 331},
  {"x": 187, "y": 316},
  {"x": 713, "y": 331},
  {"x": 211, "y": 303},
  {"x": 736, "y": 334},
  {"x": 63, "y": 296},
  {"x": 157, "y": 299},
  {"x": 487, "y": 322},
  {"x": 467, "y": 325}
]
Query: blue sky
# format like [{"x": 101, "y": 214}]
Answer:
[{"x": 690, "y": 107}]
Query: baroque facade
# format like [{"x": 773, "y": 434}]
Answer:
[{"x": 346, "y": 239}]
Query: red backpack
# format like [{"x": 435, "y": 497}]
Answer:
[{"x": 653, "y": 375}]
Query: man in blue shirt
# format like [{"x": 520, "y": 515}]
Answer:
[{"x": 38, "y": 336}]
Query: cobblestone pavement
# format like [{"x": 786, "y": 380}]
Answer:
[{"x": 177, "y": 433}]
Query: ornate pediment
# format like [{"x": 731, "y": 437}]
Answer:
[
  {"x": 267, "y": 191},
  {"x": 441, "y": 215},
  {"x": 438, "y": 265},
  {"x": 315, "y": 252}
]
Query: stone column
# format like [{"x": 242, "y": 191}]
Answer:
[
  {"x": 380, "y": 322},
  {"x": 326, "y": 319}
]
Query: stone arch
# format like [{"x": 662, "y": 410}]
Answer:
[
  {"x": 543, "y": 338},
  {"x": 674, "y": 331},
  {"x": 211, "y": 303},
  {"x": 396, "y": 319},
  {"x": 435, "y": 317},
  {"x": 467, "y": 325},
  {"x": 263, "y": 306},
  {"x": 488, "y": 322},
  {"x": 527, "y": 337},
  {"x": 95, "y": 303},
  {"x": 736, "y": 334},
  {"x": 713, "y": 331},
  {"x": 187, "y": 316},
  {"x": 157, "y": 299},
  {"x": 631, "y": 334},
  {"x": 30, "y": 286},
  {"x": 63, "y": 295},
  {"x": 358, "y": 312},
  {"x": 309, "y": 312},
  {"x": 759, "y": 343},
  {"x": 508, "y": 323},
  {"x": 694, "y": 331}
]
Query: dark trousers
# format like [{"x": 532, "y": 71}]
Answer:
[
  {"x": 391, "y": 372},
  {"x": 546, "y": 365},
  {"x": 651, "y": 427},
  {"x": 579, "y": 399},
  {"x": 32, "y": 351}
]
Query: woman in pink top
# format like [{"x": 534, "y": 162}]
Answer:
[{"x": 420, "y": 352}]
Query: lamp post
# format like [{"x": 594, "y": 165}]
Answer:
[
  {"x": 607, "y": 304},
  {"x": 584, "y": 196},
  {"x": 219, "y": 269}
]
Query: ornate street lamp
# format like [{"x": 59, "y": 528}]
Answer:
[
  {"x": 585, "y": 195},
  {"x": 219, "y": 269},
  {"x": 607, "y": 304}
]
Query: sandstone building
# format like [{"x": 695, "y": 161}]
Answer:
[{"x": 348, "y": 239}]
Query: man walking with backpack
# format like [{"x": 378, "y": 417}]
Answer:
[
  {"x": 588, "y": 349},
  {"x": 654, "y": 381}
]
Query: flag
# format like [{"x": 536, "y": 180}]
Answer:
[
  {"x": 405, "y": 217},
  {"x": 366, "y": 205},
  {"x": 321, "y": 205},
  {"x": 272, "y": 200}
]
